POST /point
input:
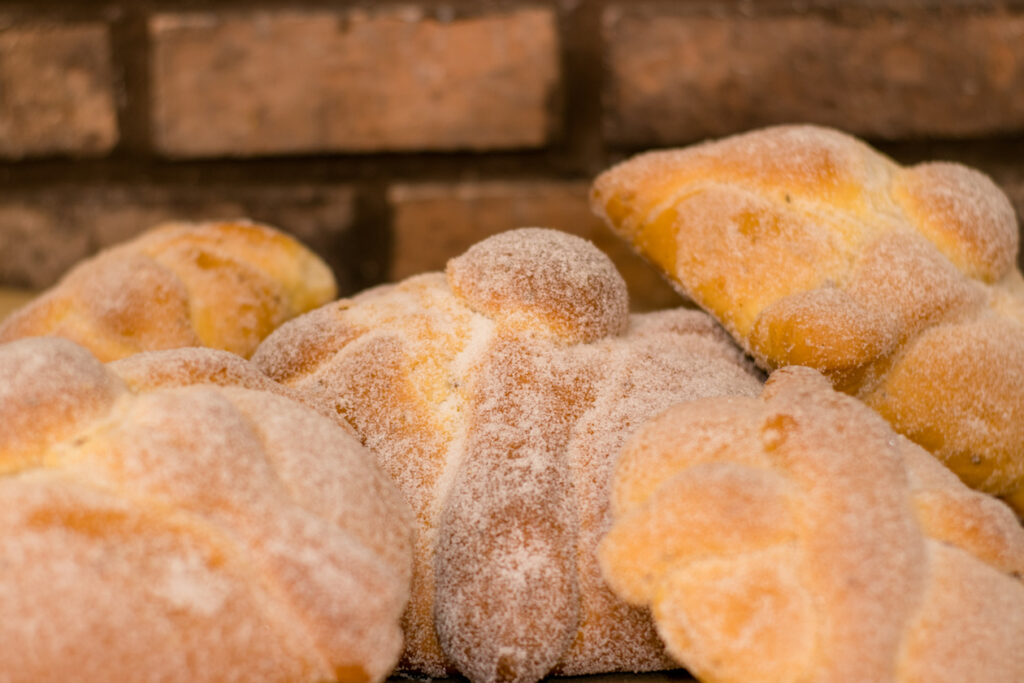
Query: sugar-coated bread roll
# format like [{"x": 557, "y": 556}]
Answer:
[
  {"x": 796, "y": 537},
  {"x": 200, "y": 365},
  {"x": 898, "y": 283},
  {"x": 177, "y": 531},
  {"x": 497, "y": 394},
  {"x": 225, "y": 285}
]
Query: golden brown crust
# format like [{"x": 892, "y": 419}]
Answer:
[
  {"x": 224, "y": 285},
  {"x": 797, "y": 537},
  {"x": 156, "y": 525},
  {"x": 496, "y": 395},
  {"x": 813, "y": 249}
]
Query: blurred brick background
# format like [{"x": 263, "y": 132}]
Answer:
[{"x": 390, "y": 136}]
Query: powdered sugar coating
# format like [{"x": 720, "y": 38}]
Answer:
[
  {"x": 542, "y": 281},
  {"x": 964, "y": 214},
  {"x": 502, "y": 439},
  {"x": 199, "y": 532},
  {"x": 199, "y": 365},
  {"x": 813, "y": 249},
  {"x": 797, "y": 537},
  {"x": 49, "y": 390},
  {"x": 225, "y": 285}
]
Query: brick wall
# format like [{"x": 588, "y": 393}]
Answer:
[{"x": 391, "y": 135}]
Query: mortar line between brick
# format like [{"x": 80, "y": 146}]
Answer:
[{"x": 130, "y": 46}]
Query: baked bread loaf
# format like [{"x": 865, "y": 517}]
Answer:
[
  {"x": 796, "y": 537},
  {"x": 188, "y": 532},
  {"x": 898, "y": 283},
  {"x": 200, "y": 365},
  {"x": 223, "y": 285},
  {"x": 497, "y": 394}
]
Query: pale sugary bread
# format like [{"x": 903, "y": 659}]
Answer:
[
  {"x": 898, "y": 283},
  {"x": 497, "y": 395},
  {"x": 178, "y": 530},
  {"x": 796, "y": 537},
  {"x": 224, "y": 285},
  {"x": 200, "y": 365}
]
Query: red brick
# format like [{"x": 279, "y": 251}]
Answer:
[
  {"x": 241, "y": 84},
  {"x": 44, "y": 232},
  {"x": 56, "y": 91},
  {"x": 434, "y": 222},
  {"x": 36, "y": 246},
  {"x": 676, "y": 78}
]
